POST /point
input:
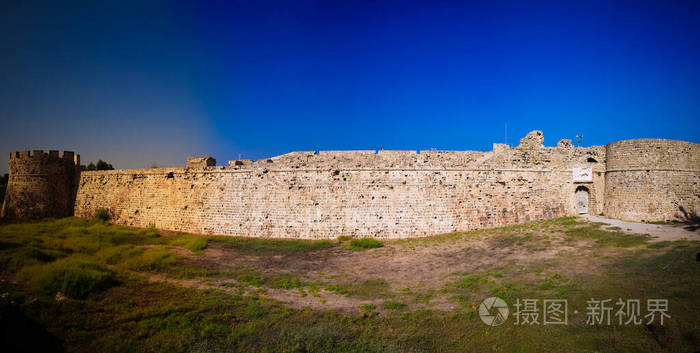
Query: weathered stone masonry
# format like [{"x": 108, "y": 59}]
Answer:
[
  {"x": 393, "y": 194},
  {"x": 41, "y": 184}
]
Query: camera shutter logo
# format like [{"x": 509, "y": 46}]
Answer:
[{"x": 493, "y": 311}]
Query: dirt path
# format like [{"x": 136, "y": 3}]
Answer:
[{"x": 660, "y": 232}]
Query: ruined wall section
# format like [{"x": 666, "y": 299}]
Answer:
[
  {"x": 388, "y": 194},
  {"x": 41, "y": 184},
  {"x": 652, "y": 180}
]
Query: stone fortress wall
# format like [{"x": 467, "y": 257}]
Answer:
[{"x": 386, "y": 194}]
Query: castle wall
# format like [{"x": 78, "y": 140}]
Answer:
[
  {"x": 323, "y": 204},
  {"x": 652, "y": 180},
  {"x": 40, "y": 184},
  {"x": 389, "y": 194}
]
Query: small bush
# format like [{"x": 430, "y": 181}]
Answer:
[
  {"x": 364, "y": 243},
  {"x": 343, "y": 238},
  {"x": 74, "y": 278},
  {"x": 102, "y": 214}
]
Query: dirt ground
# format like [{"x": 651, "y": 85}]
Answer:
[{"x": 416, "y": 271}]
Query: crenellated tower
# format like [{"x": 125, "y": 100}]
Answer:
[{"x": 41, "y": 184}]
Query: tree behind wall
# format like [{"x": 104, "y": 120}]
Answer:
[{"x": 101, "y": 165}]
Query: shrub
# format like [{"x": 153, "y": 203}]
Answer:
[
  {"x": 102, "y": 214},
  {"x": 364, "y": 243},
  {"x": 343, "y": 238},
  {"x": 72, "y": 277},
  {"x": 101, "y": 165}
]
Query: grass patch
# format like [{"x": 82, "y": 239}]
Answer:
[
  {"x": 552, "y": 282},
  {"x": 364, "y": 244},
  {"x": 373, "y": 288},
  {"x": 469, "y": 282},
  {"x": 567, "y": 221},
  {"x": 284, "y": 282},
  {"x": 368, "y": 308},
  {"x": 192, "y": 243},
  {"x": 607, "y": 238},
  {"x": 506, "y": 291},
  {"x": 102, "y": 214},
  {"x": 150, "y": 260},
  {"x": 261, "y": 245},
  {"x": 73, "y": 277}
]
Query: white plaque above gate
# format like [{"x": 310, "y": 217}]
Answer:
[{"x": 583, "y": 174}]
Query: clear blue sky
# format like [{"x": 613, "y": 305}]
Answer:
[{"x": 152, "y": 83}]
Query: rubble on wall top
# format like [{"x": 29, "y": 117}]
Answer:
[{"x": 532, "y": 140}]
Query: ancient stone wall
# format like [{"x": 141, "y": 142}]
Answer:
[
  {"x": 652, "y": 180},
  {"x": 388, "y": 194},
  {"x": 41, "y": 184}
]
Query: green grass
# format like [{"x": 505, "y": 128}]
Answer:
[
  {"x": 469, "y": 282},
  {"x": 364, "y": 244},
  {"x": 261, "y": 245},
  {"x": 102, "y": 214},
  {"x": 552, "y": 282},
  {"x": 193, "y": 243},
  {"x": 72, "y": 277},
  {"x": 372, "y": 288},
  {"x": 394, "y": 305},
  {"x": 284, "y": 282},
  {"x": 368, "y": 308},
  {"x": 607, "y": 238},
  {"x": 113, "y": 309},
  {"x": 150, "y": 260}
]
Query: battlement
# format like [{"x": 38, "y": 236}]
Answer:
[
  {"x": 41, "y": 156},
  {"x": 41, "y": 184}
]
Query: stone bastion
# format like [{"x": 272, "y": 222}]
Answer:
[{"x": 368, "y": 193}]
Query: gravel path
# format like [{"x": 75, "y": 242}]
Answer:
[{"x": 661, "y": 232}]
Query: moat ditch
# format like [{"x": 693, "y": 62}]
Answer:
[{"x": 92, "y": 284}]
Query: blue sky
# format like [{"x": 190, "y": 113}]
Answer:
[{"x": 143, "y": 83}]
